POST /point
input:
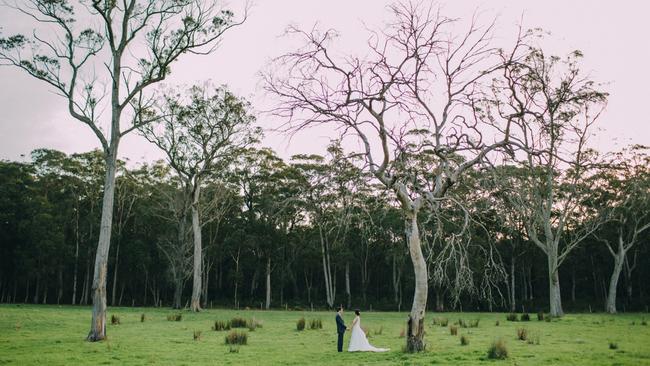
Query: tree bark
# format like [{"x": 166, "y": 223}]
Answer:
[
  {"x": 619, "y": 258},
  {"x": 268, "y": 283},
  {"x": 98, "y": 322},
  {"x": 347, "y": 284},
  {"x": 117, "y": 256},
  {"x": 555, "y": 297},
  {"x": 198, "y": 250},
  {"x": 512, "y": 285},
  {"x": 76, "y": 256},
  {"x": 415, "y": 335}
]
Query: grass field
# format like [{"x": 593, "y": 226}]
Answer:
[{"x": 54, "y": 335}]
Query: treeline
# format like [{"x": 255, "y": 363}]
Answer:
[{"x": 314, "y": 231}]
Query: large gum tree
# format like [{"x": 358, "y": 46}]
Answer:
[
  {"x": 102, "y": 61},
  {"x": 412, "y": 95}
]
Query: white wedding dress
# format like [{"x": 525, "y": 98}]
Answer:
[{"x": 358, "y": 340}]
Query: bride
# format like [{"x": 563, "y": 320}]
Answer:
[{"x": 358, "y": 340}]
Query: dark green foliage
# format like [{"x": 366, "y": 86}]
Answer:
[
  {"x": 300, "y": 325},
  {"x": 613, "y": 345},
  {"x": 237, "y": 337},
  {"x": 498, "y": 350},
  {"x": 497, "y": 323},
  {"x": 142, "y": 318},
  {"x": 644, "y": 322},
  {"x": 525, "y": 317}
]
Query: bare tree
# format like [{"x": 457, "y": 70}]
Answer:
[
  {"x": 550, "y": 105},
  {"x": 199, "y": 133},
  {"x": 106, "y": 59},
  {"x": 412, "y": 95}
]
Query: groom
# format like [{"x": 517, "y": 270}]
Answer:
[{"x": 340, "y": 327}]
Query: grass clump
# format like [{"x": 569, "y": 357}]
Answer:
[
  {"x": 142, "y": 318},
  {"x": 512, "y": 317},
  {"x": 402, "y": 333},
  {"x": 237, "y": 337},
  {"x": 525, "y": 317},
  {"x": 380, "y": 330},
  {"x": 197, "y": 335},
  {"x": 232, "y": 349},
  {"x": 238, "y": 323},
  {"x": 498, "y": 350},
  {"x": 453, "y": 330},
  {"x": 175, "y": 317},
  {"x": 316, "y": 324},
  {"x": 474, "y": 323},
  {"x": 220, "y": 325},
  {"x": 644, "y": 322},
  {"x": 300, "y": 325},
  {"x": 540, "y": 316},
  {"x": 461, "y": 323},
  {"x": 533, "y": 339},
  {"x": 613, "y": 345},
  {"x": 443, "y": 322},
  {"x": 522, "y": 334},
  {"x": 115, "y": 320},
  {"x": 464, "y": 341},
  {"x": 497, "y": 323}
]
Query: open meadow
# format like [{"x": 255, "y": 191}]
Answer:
[{"x": 54, "y": 335}]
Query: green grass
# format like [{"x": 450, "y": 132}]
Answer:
[{"x": 54, "y": 335}]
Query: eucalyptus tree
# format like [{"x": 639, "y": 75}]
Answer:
[
  {"x": 105, "y": 59},
  {"x": 412, "y": 95},
  {"x": 552, "y": 107},
  {"x": 624, "y": 194},
  {"x": 199, "y": 132}
]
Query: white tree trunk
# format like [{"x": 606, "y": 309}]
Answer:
[
  {"x": 268, "y": 283},
  {"x": 415, "y": 335},
  {"x": 555, "y": 297},
  {"x": 619, "y": 258},
  {"x": 198, "y": 250},
  {"x": 98, "y": 323}
]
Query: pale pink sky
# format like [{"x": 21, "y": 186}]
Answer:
[{"x": 612, "y": 35}]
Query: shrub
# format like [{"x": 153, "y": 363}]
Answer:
[
  {"x": 142, "y": 318},
  {"x": 496, "y": 324},
  {"x": 237, "y": 337},
  {"x": 380, "y": 330},
  {"x": 300, "y": 325},
  {"x": 540, "y": 316},
  {"x": 533, "y": 339},
  {"x": 254, "y": 323},
  {"x": 316, "y": 324},
  {"x": 522, "y": 334},
  {"x": 175, "y": 317},
  {"x": 464, "y": 341},
  {"x": 474, "y": 323},
  {"x": 238, "y": 323},
  {"x": 613, "y": 345},
  {"x": 498, "y": 350},
  {"x": 197, "y": 335},
  {"x": 115, "y": 320},
  {"x": 525, "y": 317},
  {"x": 512, "y": 317},
  {"x": 453, "y": 330},
  {"x": 220, "y": 325}
]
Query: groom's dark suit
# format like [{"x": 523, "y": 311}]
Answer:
[{"x": 340, "y": 329}]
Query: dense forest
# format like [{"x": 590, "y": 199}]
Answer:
[{"x": 302, "y": 233}]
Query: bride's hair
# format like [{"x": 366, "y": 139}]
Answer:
[{"x": 357, "y": 312}]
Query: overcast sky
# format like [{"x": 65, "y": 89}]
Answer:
[{"x": 612, "y": 35}]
